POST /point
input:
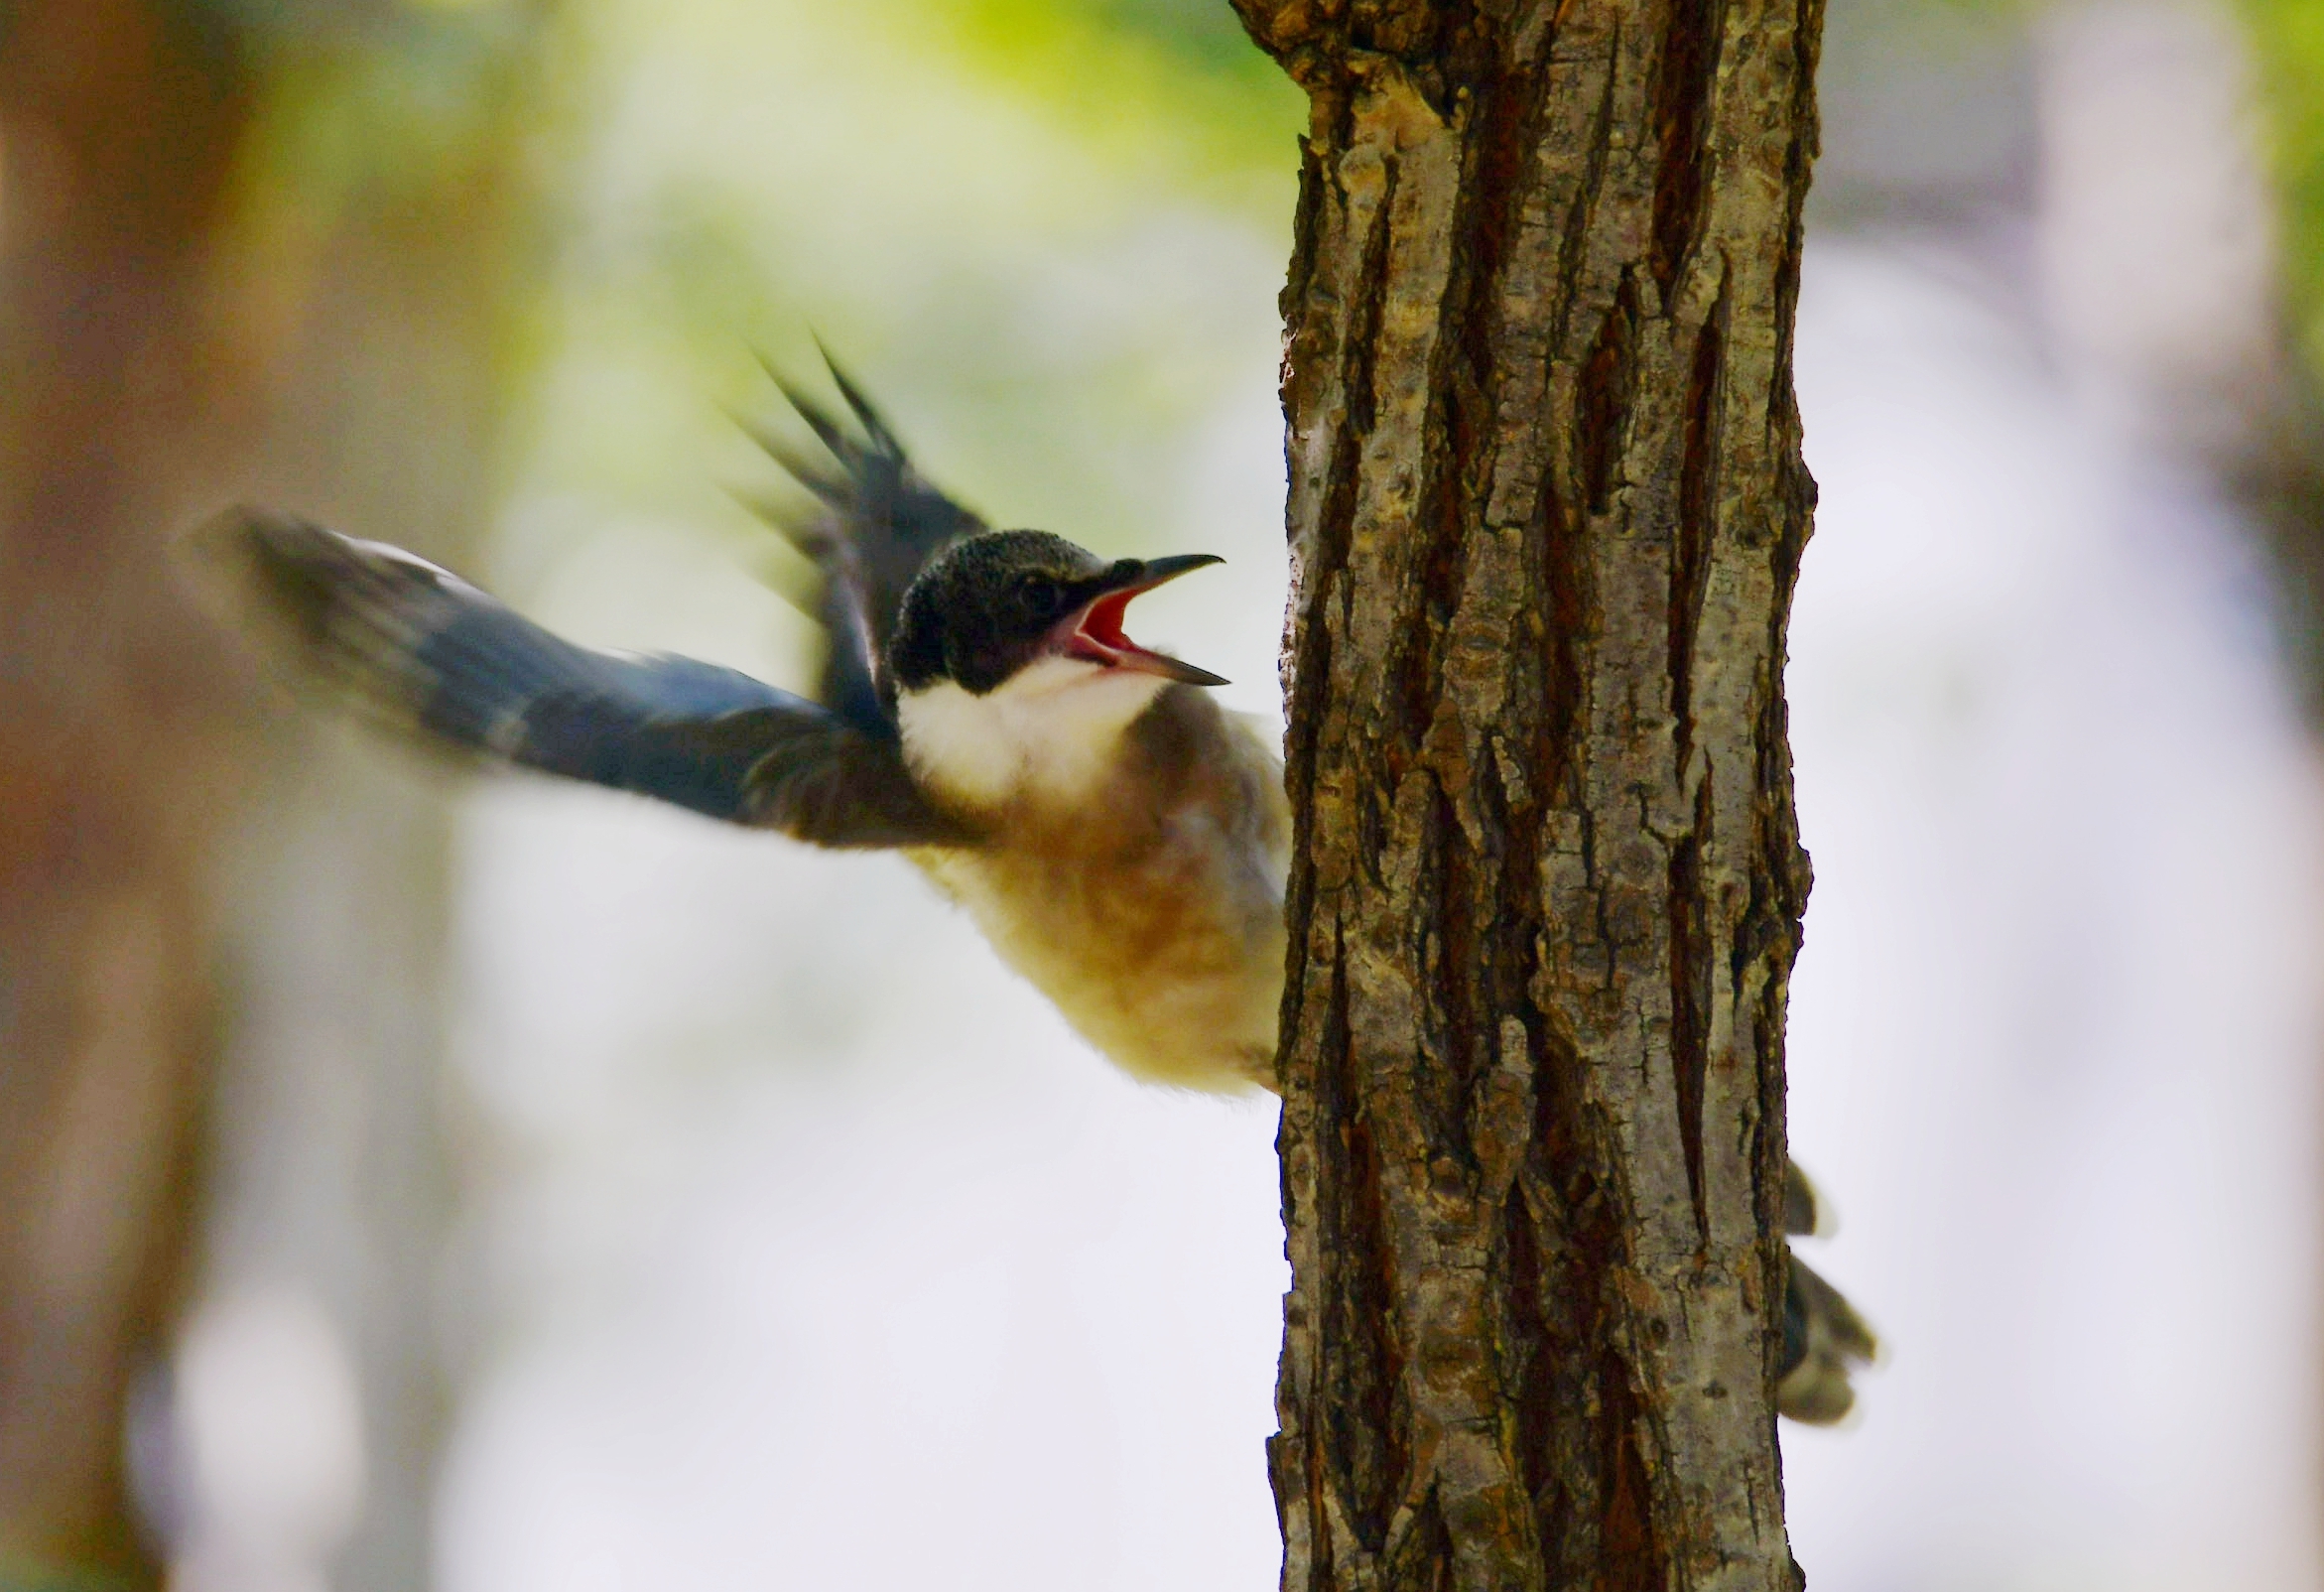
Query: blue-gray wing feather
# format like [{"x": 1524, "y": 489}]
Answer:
[{"x": 419, "y": 648}]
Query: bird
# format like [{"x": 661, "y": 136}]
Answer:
[{"x": 1122, "y": 840}]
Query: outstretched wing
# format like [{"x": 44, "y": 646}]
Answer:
[
  {"x": 421, "y": 649},
  {"x": 877, "y": 521}
]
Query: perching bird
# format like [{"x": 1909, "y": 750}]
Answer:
[{"x": 1122, "y": 840}]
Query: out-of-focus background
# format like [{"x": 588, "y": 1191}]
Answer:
[{"x": 410, "y": 1182}]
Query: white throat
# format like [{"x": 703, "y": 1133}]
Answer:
[{"x": 1050, "y": 732}]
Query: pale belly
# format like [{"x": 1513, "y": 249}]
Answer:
[{"x": 1171, "y": 965}]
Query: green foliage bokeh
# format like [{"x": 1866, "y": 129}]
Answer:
[{"x": 2287, "y": 47}]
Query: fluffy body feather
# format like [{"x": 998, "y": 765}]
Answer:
[{"x": 1134, "y": 873}]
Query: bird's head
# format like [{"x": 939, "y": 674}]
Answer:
[{"x": 1007, "y": 606}]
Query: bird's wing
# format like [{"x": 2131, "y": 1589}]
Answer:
[
  {"x": 877, "y": 522},
  {"x": 423, "y": 650}
]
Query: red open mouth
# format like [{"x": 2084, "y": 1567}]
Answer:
[{"x": 1097, "y": 636}]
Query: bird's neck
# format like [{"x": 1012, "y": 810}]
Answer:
[{"x": 1049, "y": 734}]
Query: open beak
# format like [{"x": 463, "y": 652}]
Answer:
[{"x": 1094, "y": 633}]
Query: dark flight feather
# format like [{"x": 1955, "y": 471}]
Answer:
[
  {"x": 878, "y": 522},
  {"x": 421, "y": 649}
]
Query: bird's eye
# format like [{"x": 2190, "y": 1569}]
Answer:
[{"x": 1039, "y": 594}]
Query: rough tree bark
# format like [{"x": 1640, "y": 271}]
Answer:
[{"x": 1547, "y": 504}]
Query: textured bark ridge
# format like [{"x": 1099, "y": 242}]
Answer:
[{"x": 1547, "y": 504}]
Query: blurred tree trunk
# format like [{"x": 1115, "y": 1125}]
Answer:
[
  {"x": 189, "y": 313},
  {"x": 119, "y": 130},
  {"x": 389, "y": 375},
  {"x": 1547, "y": 505}
]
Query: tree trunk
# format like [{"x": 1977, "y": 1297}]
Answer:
[
  {"x": 116, "y": 738},
  {"x": 1547, "y": 504},
  {"x": 189, "y": 315}
]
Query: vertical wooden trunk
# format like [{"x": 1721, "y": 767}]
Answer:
[
  {"x": 1547, "y": 504},
  {"x": 117, "y": 741},
  {"x": 187, "y": 318}
]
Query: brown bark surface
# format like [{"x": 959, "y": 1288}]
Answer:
[{"x": 1547, "y": 504}]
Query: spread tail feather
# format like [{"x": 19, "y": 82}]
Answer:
[{"x": 1824, "y": 1341}]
